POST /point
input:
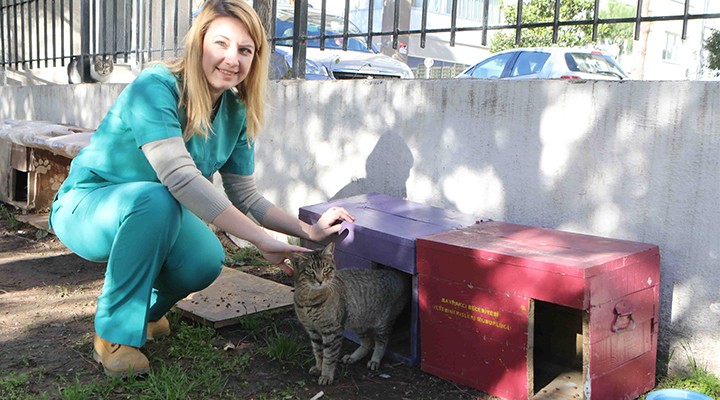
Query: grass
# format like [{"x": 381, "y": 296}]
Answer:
[
  {"x": 696, "y": 378},
  {"x": 256, "y": 325},
  {"x": 284, "y": 349},
  {"x": 15, "y": 387},
  {"x": 247, "y": 255},
  {"x": 193, "y": 363},
  {"x": 9, "y": 217},
  {"x": 190, "y": 364}
]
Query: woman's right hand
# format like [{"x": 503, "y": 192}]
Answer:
[{"x": 276, "y": 252}]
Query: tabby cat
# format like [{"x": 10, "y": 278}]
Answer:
[
  {"x": 329, "y": 300},
  {"x": 99, "y": 70}
]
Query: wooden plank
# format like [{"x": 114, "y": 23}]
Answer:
[
  {"x": 39, "y": 221},
  {"x": 567, "y": 385},
  {"x": 442, "y": 262},
  {"x": 627, "y": 381},
  {"x": 233, "y": 295},
  {"x": 386, "y": 227},
  {"x": 549, "y": 250}
]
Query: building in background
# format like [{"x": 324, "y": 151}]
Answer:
[{"x": 661, "y": 53}]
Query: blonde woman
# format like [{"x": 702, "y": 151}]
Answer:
[{"x": 139, "y": 196}]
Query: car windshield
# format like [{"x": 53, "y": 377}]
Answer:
[
  {"x": 334, "y": 26},
  {"x": 594, "y": 63},
  {"x": 492, "y": 67}
]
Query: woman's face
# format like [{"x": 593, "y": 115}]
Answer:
[{"x": 228, "y": 51}]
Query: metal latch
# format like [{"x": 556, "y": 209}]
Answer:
[{"x": 624, "y": 321}]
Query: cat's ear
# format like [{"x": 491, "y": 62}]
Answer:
[
  {"x": 329, "y": 249},
  {"x": 296, "y": 259}
]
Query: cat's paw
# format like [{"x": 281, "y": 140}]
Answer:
[
  {"x": 348, "y": 359},
  {"x": 314, "y": 370},
  {"x": 325, "y": 380},
  {"x": 373, "y": 365}
]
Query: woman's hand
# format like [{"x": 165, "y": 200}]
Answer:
[
  {"x": 329, "y": 223},
  {"x": 276, "y": 252}
]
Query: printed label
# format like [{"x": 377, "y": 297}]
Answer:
[{"x": 471, "y": 312}]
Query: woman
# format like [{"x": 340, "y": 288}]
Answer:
[{"x": 139, "y": 196}]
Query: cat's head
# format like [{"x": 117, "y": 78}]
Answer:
[
  {"x": 316, "y": 266},
  {"x": 103, "y": 64}
]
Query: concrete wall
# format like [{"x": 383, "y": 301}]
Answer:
[{"x": 632, "y": 160}]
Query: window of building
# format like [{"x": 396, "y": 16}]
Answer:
[
  {"x": 672, "y": 46},
  {"x": 466, "y": 9}
]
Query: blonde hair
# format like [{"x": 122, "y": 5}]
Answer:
[{"x": 195, "y": 91}]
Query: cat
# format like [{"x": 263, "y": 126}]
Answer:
[
  {"x": 98, "y": 71},
  {"x": 329, "y": 300}
]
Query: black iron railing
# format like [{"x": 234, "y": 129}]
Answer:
[{"x": 45, "y": 33}]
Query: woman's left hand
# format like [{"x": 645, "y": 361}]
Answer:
[{"x": 330, "y": 223}]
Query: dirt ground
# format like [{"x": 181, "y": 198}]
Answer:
[{"x": 47, "y": 303}]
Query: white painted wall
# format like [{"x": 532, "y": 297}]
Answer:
[{"x": 632, "y": 160}]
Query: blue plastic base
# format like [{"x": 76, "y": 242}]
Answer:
[{"x": 676, "y": 394}]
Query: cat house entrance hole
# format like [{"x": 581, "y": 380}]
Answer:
[
  {"x": 20, "y": 166},
  {"x": 556, "y": 351},
  {"x": 400, "y": 344},
  {"x": 20, "y": 186},
  {"x": 400, "y": 340}
]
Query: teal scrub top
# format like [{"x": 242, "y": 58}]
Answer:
[{"x": 147, "y": 110}]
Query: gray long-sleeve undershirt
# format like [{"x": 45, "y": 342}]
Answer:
[{"x": 177, "y": 170}]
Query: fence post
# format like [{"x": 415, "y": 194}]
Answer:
[
  {"x": 84, "y": 40},
  {"x": 299, "y": 38}
]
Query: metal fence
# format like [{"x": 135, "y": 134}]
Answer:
[
  {"x": 42, "y": 33},
  {"x": 48, "y": 33}
]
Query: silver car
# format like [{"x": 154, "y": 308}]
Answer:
[
  {"x": 547, "y": 63},
  {"x": 357, "y": 62}
]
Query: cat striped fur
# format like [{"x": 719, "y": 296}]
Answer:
[{"x": 329, "y": 301}]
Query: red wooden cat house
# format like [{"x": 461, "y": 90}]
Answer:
[{"x": 532, "y": 313}]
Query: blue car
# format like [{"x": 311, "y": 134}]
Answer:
[{"x": 359, "y": 61}]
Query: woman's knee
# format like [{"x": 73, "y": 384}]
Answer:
[
  {"x": 209, "y": 263},
  {"x": 205, "y": 276},
  {"x": 194, "y": 275},
  {"x": 196, "y": 259},
  {"x": 209, "y": 257}
]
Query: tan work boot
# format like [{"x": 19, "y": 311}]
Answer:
[
  {"x": 118, "y": 359},
  {"x": 158, "y": 329}
]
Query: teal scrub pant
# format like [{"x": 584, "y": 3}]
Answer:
[{"x": 157, "y": 252}]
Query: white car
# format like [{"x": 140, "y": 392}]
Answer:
[
  {"x": 547, "y": 63},
  {"x": 357, "y": 62}
]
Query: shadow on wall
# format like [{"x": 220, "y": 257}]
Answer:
[{"x": 387, "y": 169}]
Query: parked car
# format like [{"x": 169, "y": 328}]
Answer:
[
  {"x": 281, "y": 66},
  {"x": 357, "y": 62},
  {"x": 547, "y": 63}
]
